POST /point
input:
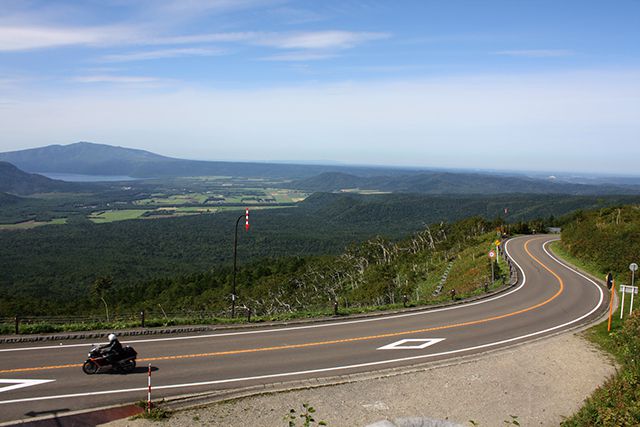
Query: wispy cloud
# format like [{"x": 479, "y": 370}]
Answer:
[
  {"x": 229, "y": 37},
  {"x": 310, "y": 45},
  {"x": 536, "y": 53},
  {"x": 19, "y": 38},
  {"x": 161, "y": 54},
  {"x": 299, "y": 56},
  {"x": 319, "y": 39}
]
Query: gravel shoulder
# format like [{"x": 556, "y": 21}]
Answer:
[{"x": 539, "y": 382}]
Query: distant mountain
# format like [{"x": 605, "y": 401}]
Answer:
[
  {"x": 453, "y": 183},
  {"x": 16, "y": 181},
  {"x": 388, "y": 211},
  {"x": 99, "y": 159},
  {"x": 82, "y": 158}
]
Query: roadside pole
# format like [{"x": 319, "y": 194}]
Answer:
[
  {"x": 612, "y": 285},
  {"x": 623, "y": 291},
  {"x": 492, "y": 255},
  {"x": 235, "y": 257},
  {"x": 633, "y": 267},
  {"x": 149, "y": 389}
]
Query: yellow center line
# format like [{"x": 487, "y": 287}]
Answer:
[{"x": 340, "y": 341}]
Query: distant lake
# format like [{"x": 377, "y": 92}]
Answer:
[{"x": 75, "y": 177}]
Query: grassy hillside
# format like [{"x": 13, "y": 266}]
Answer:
[
  {"x": 600, "y": 241},
  {"x": 608, "y": 239}
]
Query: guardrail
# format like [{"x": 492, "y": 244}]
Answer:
[{"x": 140, "y": 318}]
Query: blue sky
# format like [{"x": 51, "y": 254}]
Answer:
[{"x": 532, "y": 85}]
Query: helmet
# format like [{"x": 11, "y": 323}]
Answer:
[{"x": 112, "y": 337}]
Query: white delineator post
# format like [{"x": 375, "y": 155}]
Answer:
[
  {"x": 633, "y": 267},
  {"x": 624, "y": 291},
  {"x": 149, "y": 390}
]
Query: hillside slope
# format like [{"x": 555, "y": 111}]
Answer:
[
  {"x": 608, "y": 239},
  {"x": 16, "y": 181}
]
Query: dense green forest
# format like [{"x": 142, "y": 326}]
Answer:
[
  {"x": 40, "y": 268},
  {"x": 439, "y": 182},
  {"x": 376, "y": 272},
  {"x": 608, "y": 238}
]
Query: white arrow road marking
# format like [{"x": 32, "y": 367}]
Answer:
[
  {"x": 400, "y": 345},
  {"x": 20, "y": 384}
]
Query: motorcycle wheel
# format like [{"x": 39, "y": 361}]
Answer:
[
  {"x": 128, "y": 366},
  {"x": 89, "y": 367}
]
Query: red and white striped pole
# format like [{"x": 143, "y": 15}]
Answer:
[
  {"x": 149, "y": 390},
  {"x": 246, "y": 219}
]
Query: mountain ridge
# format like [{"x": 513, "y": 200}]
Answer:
[
  {"x": 14, "y": 181},
  {"x": 452, "y": 183},
  {"x": 89, "y": 158}
]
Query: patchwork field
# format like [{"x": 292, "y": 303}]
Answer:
[{"x": 32, "y": 224}]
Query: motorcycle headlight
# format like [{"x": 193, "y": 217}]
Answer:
[{"x": 89, "y": 355}]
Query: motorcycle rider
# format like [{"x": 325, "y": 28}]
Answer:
[{"x": 113, "y": 349}]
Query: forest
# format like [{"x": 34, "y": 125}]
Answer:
[
  {"x": 50, "y": 269},
  {"x": 376, "y": 272}
]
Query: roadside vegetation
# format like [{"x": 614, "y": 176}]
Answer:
[
  {"x": 599, "y": 242},
  {"x": 378, "y": 274}
]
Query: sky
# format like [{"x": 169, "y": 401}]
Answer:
[{"x": 541, "y": 85}]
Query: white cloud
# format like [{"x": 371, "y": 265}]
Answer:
[
  {"x": 160, "y": 54},
  {"x": 201, "y": 38},
  {"x": 536, "y": 53},
  {"x": 17, "y": 38},
  {"x": 299, "y": 56},
  {"x": 318, "y": 39}
]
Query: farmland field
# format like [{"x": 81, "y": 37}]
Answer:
[
  {"x": 116, "y": 215},
  {"x": 32, "y": 224}
]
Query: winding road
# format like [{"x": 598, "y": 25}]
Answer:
[{"x": 550, "y": 297}]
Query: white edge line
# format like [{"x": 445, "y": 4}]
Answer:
[
  {"x": 338, "y": 368},
  {"x": 294, "y": 328}
]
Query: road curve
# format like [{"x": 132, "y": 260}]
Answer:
[{"x": 550, "y": 297}]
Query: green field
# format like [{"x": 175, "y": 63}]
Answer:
[
  {"x": 225, "y": 195},
  {"x": 100, "y": 217},
  {"x": 116, "y": 215},
  {"x": 32, "y": 224},
  {"x": 173, "y": 200}
]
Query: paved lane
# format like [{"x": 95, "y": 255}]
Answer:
[{"x": 549, "y": 298}]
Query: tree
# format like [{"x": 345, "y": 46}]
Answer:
[{"x": 100, "y": 287}]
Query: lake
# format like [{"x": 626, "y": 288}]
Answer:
[{"x": 75, "y": 177}]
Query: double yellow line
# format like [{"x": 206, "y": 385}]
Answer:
[{"x": 330, "y": 342}]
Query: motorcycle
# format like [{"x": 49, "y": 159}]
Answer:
[{"x": 125, "y": 361}]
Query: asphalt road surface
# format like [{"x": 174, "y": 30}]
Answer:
[{"x": 550, "y": 297}]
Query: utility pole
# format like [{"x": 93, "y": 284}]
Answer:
[{"x": 235, "y": 263}]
